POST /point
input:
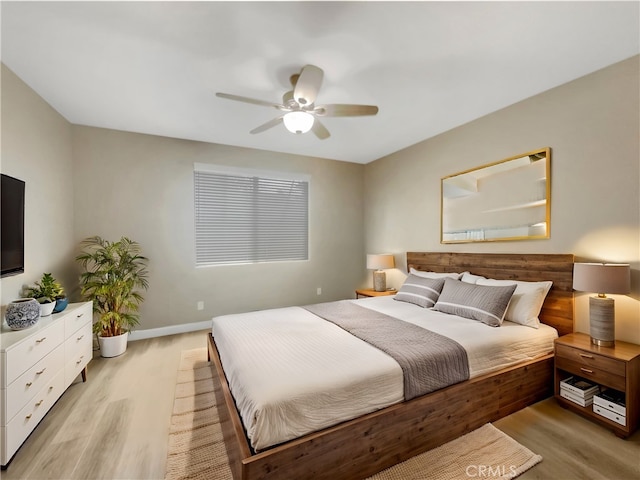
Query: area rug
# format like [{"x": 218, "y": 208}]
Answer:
[{"x": 196, "y": 449}]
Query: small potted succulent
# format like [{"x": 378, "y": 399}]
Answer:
[{"x": 46, "y": 292}]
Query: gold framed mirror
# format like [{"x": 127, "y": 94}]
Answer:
[{"x": 505, "y": 200}]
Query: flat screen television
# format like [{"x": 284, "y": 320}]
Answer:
[{"x": 12, "y": 233}]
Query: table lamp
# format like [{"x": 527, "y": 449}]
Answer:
[
  {"x": 602, "y": 278},
  {"x": 378, "y": 262}
]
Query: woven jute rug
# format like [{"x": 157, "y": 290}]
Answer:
[{"x": 196, "y": 449}]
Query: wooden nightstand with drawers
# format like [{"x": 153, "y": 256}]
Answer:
[{"x": 616, "y": 367}]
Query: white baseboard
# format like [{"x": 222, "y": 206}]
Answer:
[{"x": 172, "y": 330}]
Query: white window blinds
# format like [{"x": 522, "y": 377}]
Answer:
[{"x": 245, "y": 216}]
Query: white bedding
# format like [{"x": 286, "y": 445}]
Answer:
[{"x": 292, "y": 373}]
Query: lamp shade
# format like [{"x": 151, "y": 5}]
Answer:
[
  {"x": 298, "y": 122},
  {"x": 602, "y": 278},
  {"x": 380, "y": 261}
]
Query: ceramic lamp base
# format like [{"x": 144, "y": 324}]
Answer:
[
  {"x": 379, "y": 281},
  {"x": 601, "y": 321}
]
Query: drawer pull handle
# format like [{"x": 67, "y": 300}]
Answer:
[
  {"x": 80, "y": 361},
  {"x": 79, "y": 315},
  {"x": 41, "y": 371},
  {"x": 584, "y": 355},
  {"x": 79, "y": 338},
  {"x": 40, "y": 340},
  {"x": 51, "y": 388},
  {"x": 586, "y": 370},
  {"x": 39, "y": 403},
  {"x": 29, "y": 384},
  {"x": 28, "y": 417}
]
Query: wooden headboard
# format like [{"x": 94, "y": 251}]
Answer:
[{"x": 557, "y": 309}]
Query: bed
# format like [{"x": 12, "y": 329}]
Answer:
[{"x": 397, "y": 430}]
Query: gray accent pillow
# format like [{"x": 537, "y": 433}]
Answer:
[
  {"x": 487, "y": 304},
  {"x": 421, "y": 291}
]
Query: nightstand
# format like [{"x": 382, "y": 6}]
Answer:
[
  {"x": 616, "y": 367},
  {"x": 370, "y": 292}
]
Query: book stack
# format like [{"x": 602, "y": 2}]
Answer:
[{"x": 578, "y": 390}]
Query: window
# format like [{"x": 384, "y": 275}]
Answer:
[{"x": 249, "y": 216}]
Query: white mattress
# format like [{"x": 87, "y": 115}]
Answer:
[{"x": 293, "y": 373}]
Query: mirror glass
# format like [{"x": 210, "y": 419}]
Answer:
[{"x": 505, "y": 200}]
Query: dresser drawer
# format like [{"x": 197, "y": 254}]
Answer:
[
  {"x": 78, "y": 318},
  {"x": 28, "y": 352},
  {"x": 78, "y": 340},
  {"x": 76, "y": 364},
  {"x": 594, "y": 374},
  {"x": 78, "y": 351},
  {"x": 27, "y": 385},
  {"x": 25, "y": 421}
]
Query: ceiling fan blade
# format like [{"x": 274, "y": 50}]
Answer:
[
  {"x": 308, "y": 85},
  {"x": 319, "y": 129},
  {"x": 345, "y": 110},
  {"x": 254, "y": 101},
  {"x": 266, "y": 126}
]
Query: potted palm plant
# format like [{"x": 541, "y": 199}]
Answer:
[
  {"x": 46, "y": 291},
  {"x": 114, "y": 273}
]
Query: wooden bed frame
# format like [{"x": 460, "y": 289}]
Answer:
[{"x": 366, "y": 445}]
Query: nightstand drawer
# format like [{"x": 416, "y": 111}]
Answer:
[
  {"x": 595, "y": 374},
  {"x": 592, "y": 360}
]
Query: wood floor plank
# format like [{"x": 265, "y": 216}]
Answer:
[{"x": 106, "y": 444}]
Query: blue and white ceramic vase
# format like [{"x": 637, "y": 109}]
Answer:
[{"x": 22, "y": 313}]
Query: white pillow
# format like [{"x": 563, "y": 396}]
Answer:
[
  {"x": 526, "y": 301},
  {"x": 420, "y": 273},
  {"x": 470, "y": 278}
]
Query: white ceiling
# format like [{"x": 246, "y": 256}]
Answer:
[{"x": 154, "y": 67}]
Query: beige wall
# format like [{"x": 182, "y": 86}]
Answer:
[
  {"x": 591, "y": 125},
  {"x": 36, "y": 148},
  {"x": 141, "y": 186}
]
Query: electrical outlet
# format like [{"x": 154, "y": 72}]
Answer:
[
  {"x": 319, "y": 291},
  {"x": 200, "y": 305}
]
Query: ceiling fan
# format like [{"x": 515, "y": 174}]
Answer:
[{"x": 300, "y": 113}]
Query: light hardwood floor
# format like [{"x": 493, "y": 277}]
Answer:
[{"x": 115, "y": 426}]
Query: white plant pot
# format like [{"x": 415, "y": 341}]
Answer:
[
  {"x": 113, "y": 346},
  {"x": 47, "y": 308}
]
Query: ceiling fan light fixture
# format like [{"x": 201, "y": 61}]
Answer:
[{"x": 298, "y": 122}]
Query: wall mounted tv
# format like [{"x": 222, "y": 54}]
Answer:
[{"x": 12, "y": 233}]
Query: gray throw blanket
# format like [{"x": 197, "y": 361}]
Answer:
[{"x": 429, "y": 361}]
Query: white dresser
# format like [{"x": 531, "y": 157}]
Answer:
[{"x": 38, "y": 364}]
